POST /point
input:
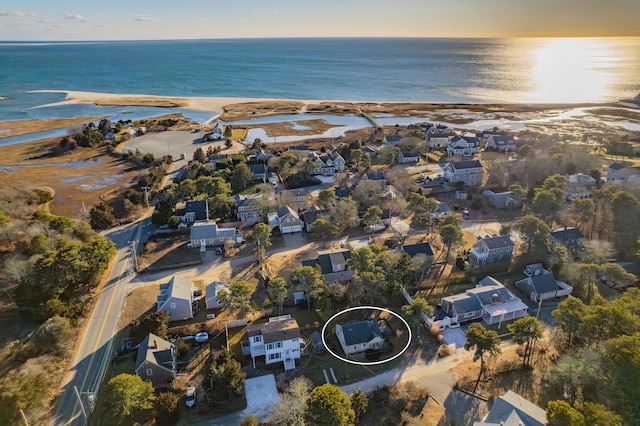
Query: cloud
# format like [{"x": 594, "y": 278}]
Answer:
[
  {"x": 145, "y": 18},
  {"x": 74, "y": 17},
  {"x": 15, "y": 12},
  {"x": 45, "y": 20}
]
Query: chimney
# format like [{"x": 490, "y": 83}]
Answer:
[
  {"x": 155, "y": 344},
  {"x": 494, "y": 298}
]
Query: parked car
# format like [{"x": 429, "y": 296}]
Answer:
[
  {"x": 191, "y": 396},
  {"x": 218, "y": 250}
]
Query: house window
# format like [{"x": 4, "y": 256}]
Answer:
[
  {"x": 278, "y": 344},
  {"x": 270, "y": 346},
  {"x": 257, "y": 339},
  {"x": 274, "y": 356},
  {"x": 173, "y": 305},
  {"x": 469, "y": 314},
  {"x": 149, "y": 372}
]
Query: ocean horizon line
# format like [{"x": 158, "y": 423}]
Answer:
[{"x": 98, "y": 41}]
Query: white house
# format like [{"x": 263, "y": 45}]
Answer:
[
  {"x": 176, "y": 297},
  {"x": 327, "y": 164},
  {"x": 211, "y": 294},
  {"x": 359, "y": 336},
  {"x": 408, "y": 157},
  {"x": 579, "y": 186},
  {"x": 501, "y": 143},
  {"x": 278, "y": 340},
  {"x": 469, "y": 172},
  {"x": 467, "y": 146},
  {"x": 207, "y": 234},
  {"x": 438, "y": 136},
  {"x": 491, "y": 249}
]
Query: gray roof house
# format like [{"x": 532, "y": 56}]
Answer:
[
  {"x": 467, "y": 146},
  {"x": 312, "y": 215},
  {"x": 501, "y": 200},
  {"x": 489, "y": 300},
  {"x": 156, "y": 361},
  {"x": 359, "y": 336},
  {"x": 333, "y": 265},
  {"x": 208, "y": 234},
  {"x": 491, "y": 249},
  {"x": 288, "y": 220},
  {"x": 211, "y": 294},
  {"x": 511, "y": 409},
  {"x": 469, "y": 172},
  {"x": 392, "y": 139},
  {"x": 543, "y": 286},
  {"x": 501, "y": 143},
  {"x": 569, "y": 237},
  {"x": 278, "y": 340},
  {"x": 259, "y": 171},
  {"x": 248, "y": 208},
  {"x": 176, "y": 297},
  {"x": 408, "y": 157}
]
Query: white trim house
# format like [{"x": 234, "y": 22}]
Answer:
[{"x": 278, "y": 340}]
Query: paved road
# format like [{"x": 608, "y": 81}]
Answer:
[{"x": 95, "y": 351}]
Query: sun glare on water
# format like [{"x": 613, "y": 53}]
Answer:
[{"x": 571, "y": 71}]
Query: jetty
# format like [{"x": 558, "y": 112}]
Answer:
[{"x": 371, "y": 120}]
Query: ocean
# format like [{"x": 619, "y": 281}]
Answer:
[{"x": 363, "y": 69}]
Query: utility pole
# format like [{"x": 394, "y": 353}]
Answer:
[{"x": 84, "y": 412}]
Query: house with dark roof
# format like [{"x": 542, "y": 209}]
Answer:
[
  {"x": 370, "y": 151},
  {"x": 342, "y": 193},
  {"x": 571, "y": 238},
  {"x": 467, "y": 146},
  {"x": 501, "y": 143},
  {"x": 511, "y": 409},
  {"x": 533, "y": 269},
  {"x": 469, "y": 172},
  {"x": 288, "y": 220},
  {"x": 414, "y": 250},
  {"x": 489, "y": 300},
  {"x": 261, "y": 156},
  {"x": 302, "y": 148},
  {"x": 392, "y": 139},
  {"x": 259, "y": 171},
  {"x": 156, "y": 361},
  {"x": 195, "y": 211},
  {"x": 501, "y": 200},
  {"x": 333, "y": 265},
  {"x": 491, "y": 249},
  {"x": 359, "y": 336},
  {"x": 278, "y": 340},
  {"x": 619, "y": 173},
  {"x": 543, "y": 285},
  {"x": 408, "y": 157},
  {"x": 208, "y": 234},
  {"x": 438, "y": 136},
  {"x": 312, "y": 215}
]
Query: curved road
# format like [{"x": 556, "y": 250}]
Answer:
[{"x": 96, "y": 345}]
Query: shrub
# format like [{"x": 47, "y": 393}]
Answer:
[{"x": 444, "y": 351}]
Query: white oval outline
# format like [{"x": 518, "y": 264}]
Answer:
[{"x": 366, "y": 363}]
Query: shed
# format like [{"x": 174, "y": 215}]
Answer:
[{"x": 316, "y": 341}]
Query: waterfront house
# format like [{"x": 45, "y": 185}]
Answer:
[
  {"x": 359, "y": 336},
  {"x": 176, "y": 297},
  {"x": 491, "y": 249},
  {"x": 469, "y": 172},
  {"x": 156, "y": 361},
  {"x": 438, "y": 136},
  {"x": 278, "y": 340},
  {"x": 260, "y": 156}
]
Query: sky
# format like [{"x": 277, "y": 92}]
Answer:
[{"x": 49, "y": 20}]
